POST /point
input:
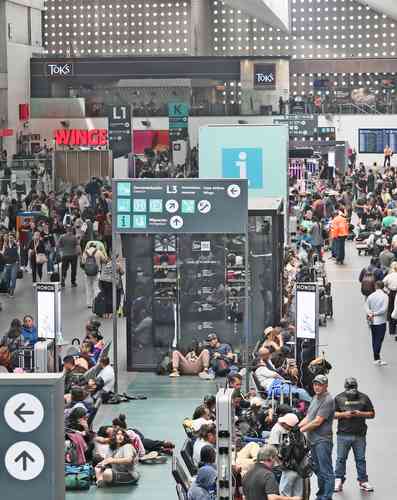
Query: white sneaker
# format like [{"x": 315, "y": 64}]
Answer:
[
  {"x": 338, "y": 485},
  {"x": 377, "y": 362},
  {"x": 365, "y": 486},
  {"x": 175, "y": 373},
  {"x": 205, "y": 375},
  {"x": 382, "y": 363}
]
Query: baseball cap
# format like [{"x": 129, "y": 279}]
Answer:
[
  {"x": 320, "y": 379},
  {"x": 211, "y": 336},
  {"x": 289, "y": 419},
  {"x": 351, "y": 382}
]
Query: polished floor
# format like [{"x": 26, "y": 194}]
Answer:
[{"x": 345, "y": 341}]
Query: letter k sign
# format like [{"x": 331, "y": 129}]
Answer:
[{"x": 243, "y": 163}]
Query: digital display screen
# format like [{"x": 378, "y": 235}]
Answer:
[{"x": 374, "y": 140}]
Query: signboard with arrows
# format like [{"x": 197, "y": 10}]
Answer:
[
  {"x": 153, "y": 206},
  {"x": 32, "y": 436}
]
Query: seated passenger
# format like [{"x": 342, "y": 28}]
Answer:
[
  {"x": 222, "y": 359},
  {"x": 72, "y": 373},
  {"x": 29, "y": 331},
  {"x": 194, "y": 363},
  {"x": 203, "y": 487},
  {"x": 108, "y": 377},
  {"x": 201, "y": 416},
  {"x": 207, "y": 437},
  {"x": 119, "y": 467},
  {"x": 267, "y": 376}
]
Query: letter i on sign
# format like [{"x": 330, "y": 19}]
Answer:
[{"x": 242, "y": 165}]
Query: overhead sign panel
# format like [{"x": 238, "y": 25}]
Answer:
[
  {"x": 180, "y": 206},
  {"x": 120, "y": 141},
  {"x": 299, "y": 125}
]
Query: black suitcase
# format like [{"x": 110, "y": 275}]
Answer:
[{"x": 99, "y": 306}]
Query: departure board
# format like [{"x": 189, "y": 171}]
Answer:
[{"x": 374, "y": 140}]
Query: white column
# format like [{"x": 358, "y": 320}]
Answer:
[{"x": 200, "y": 32}]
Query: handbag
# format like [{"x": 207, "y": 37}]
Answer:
[
  {"x": 41, "y": 258},
  {"x": 19, "y": 274}
]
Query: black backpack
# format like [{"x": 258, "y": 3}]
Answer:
[
  {"x": 368, "y": 284},
  {"x": 91, "y": 267},
  {"x": 294, "y": 452}
]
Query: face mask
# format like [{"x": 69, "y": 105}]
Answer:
[{"x": 351, "y": 393}]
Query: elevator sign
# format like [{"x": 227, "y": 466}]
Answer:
[{"x": 180, "y": 206}]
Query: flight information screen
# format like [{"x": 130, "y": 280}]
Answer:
[{"x": 374, "y": 140}]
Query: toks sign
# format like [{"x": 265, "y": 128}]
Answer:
[
  {"x": 75, "y": 137},
  {"x": 59, "y": 69},
  {"x": 265, "y": 76}
]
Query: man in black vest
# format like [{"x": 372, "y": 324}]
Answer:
[{"x": 352, "y": 408}]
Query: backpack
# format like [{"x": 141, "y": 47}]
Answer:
[
  {"x": 78, "y": 477},
  {"x": 368, "y": 284},
  {"x": 294, "y": 452},
  {"x": 91, "y": 266}
]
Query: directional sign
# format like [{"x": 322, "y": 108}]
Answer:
[
  {"x": 181, "y": 205},
  {"x": 24, "y": 460},
  {"x": 32, "y": 438},
  {"x": 120, "y": 141},
  {"x": 300, "y": 125},
  {"x": 23, "y": 412},
  {"x": 178, "y": 115}
]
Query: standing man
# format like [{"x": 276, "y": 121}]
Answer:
[
  {"x": 10, "y": 254},
  {"x": 340, "y": 229},
  {"x": 376, "y": 308},
  {"x": 352, "y": 408},
  {"x": 70, "y": 250},
  {"x": 388, "y": 152},
  {"x": 318, "y": 426}
]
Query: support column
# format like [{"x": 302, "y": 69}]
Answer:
[{"x": 200, "y": 31}]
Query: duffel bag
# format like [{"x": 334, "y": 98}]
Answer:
[
  {"x": 78, "y": 477},
  {"x": 75, "y": 482}
]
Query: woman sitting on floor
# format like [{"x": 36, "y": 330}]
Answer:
[{"x": 119, "y": 467}]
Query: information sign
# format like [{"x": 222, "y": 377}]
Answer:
[{"x": 180, "y": 206}]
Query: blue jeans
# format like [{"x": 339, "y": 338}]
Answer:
[
  {"x": 346, "y": 442},
  {"x": 322, "y": 467},
  {"x": 50, "y": 262},
  {"x": 378, "y": 336},
  {"x": 10, "y": 275}
]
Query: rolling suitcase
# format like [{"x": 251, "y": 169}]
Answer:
[{"x": 44, "y": 356}]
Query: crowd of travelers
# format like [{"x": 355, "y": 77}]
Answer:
[
  {"x": 285, "y": 421},
  {"x": 111, "y": 453},
  {"x": 281, "y": 441},
  {"x": 49, "y": 235}
]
